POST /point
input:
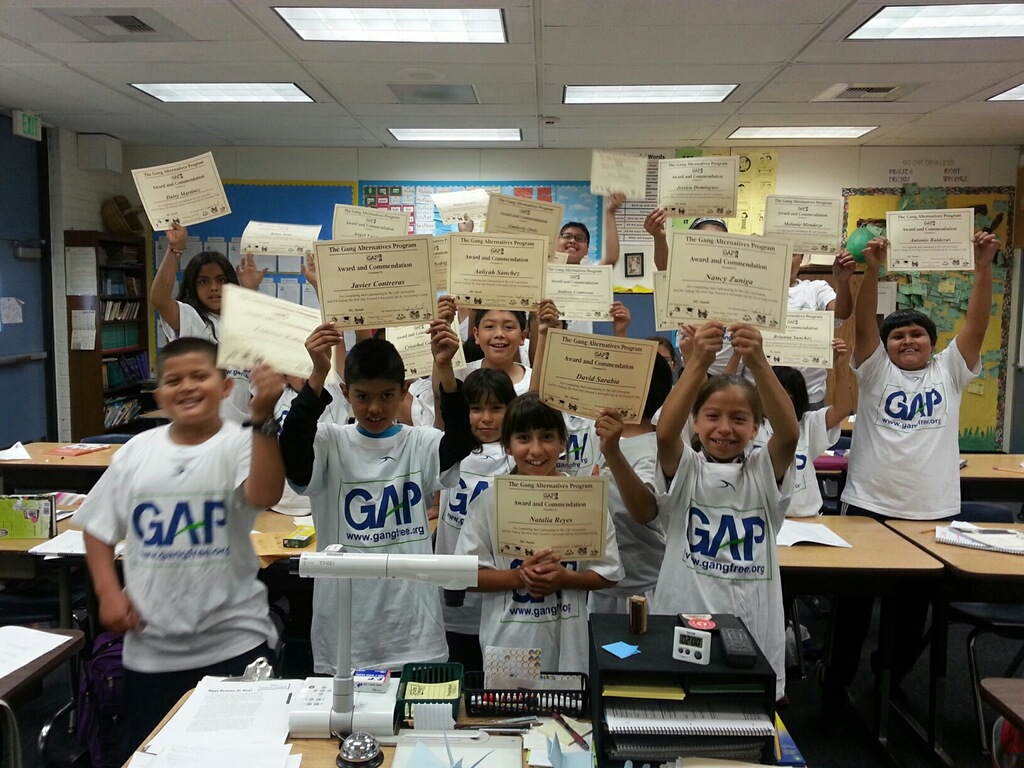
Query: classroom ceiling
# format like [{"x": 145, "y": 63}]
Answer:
[{"x": 782, "y": 54}]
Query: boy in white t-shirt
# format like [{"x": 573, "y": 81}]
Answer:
[
  {"x": 370, "y": 485},
  {"x": 907, "y": 419},
  {"x": 184, "y": 498}
]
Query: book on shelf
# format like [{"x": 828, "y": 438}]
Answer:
[
  {"x": 120, "y": 411},
  {"x": 700, "y": 717},
  {"x": 786, "y": 750},
  {"x": 658, "y": 690},
  {"x": 963, "y": 534}
]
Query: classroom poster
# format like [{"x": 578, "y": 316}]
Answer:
[{"x": 943, "y": 295}]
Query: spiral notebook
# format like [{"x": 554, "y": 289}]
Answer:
[
  {"x": 703, "y": 717},
  {"x": 991, "y": 539}
]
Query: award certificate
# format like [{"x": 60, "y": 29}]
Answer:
[
  {"x": 356, "y": 221},
  {"x": 256, "y": 328},
  {"x": 580, "y": 293},
  {"x": 376, "y": 282},
  {"x": 930, "y": 241},
  {"x": 611, "y": 172},
  {"x": 698, "y": 186},
  {"x": 811, "y": 224},
  {"x": 439, "y": 246},
  {"x": 508, "y": 215},
  {"x": 662, "y": 322},
  {"x": 413, "y": 344},
  {"x": 187, "y": 192},
  {"x": 728, "y": 278},
  {"x": 265, "y": 239},
  {"x": 496, "y": 271},
  {"x": 806, "y": 342},
  {"x": 461, "y": 205},
  {"x": 581, "y": 373},
  {"x": 566, "y": 514}
]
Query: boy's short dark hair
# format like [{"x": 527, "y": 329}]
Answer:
[
  {"x": 659, "y": 387},
  {"x": 527, "y": 413},
  {"x": 901, "y": 318},
  {"x": 186, "y": 345},
  {"x": 478, "y": 316},
  {"x": 374, "y": 359},
  {"x": 578, "y": 225}
]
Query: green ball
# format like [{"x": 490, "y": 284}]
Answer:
[{"x": 856, "y": 241}]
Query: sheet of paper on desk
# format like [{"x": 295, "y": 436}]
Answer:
[
  {"x": 539, "y": 747},
  {"x": 70, "y": 543},
  {"x": 496, "y": 752},
  {"x": 220, "y": 712},
  {"x": 16, "y": 452},
  {"x": 793, "y": 532},
  {"x": 208, "y": 756},
  {"x": 20, "y": 646}
]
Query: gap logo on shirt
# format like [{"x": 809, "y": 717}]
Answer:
[
  {"x": 727, "y": 543},
  {"x": 525, "y": 607},
  {"x": 180, "y": 531},
  {"x": 460, "y": 498},
  {"x": 380, "y": 513},
  {"x": 905, "y": 411}
]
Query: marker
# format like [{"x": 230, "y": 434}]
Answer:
[{"x": 575, "y": 736}]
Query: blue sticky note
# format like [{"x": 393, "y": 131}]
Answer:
[{"x": 621, "y": 649}]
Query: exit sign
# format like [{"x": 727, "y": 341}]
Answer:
[{"x": 28, "y": 125}]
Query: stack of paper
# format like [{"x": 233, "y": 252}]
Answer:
[{"x": 992, "y": 539}]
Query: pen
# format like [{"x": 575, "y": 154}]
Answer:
[{"x": 575, "y": 736}]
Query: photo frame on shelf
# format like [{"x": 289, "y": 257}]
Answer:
[{"x": 634, "y": 265}]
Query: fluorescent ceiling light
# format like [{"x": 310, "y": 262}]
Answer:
[
  {"x": 645, "y": 94},
  {"x": 802, "y": 132},
  {"x": 456, "y": 134},
  {"x": 261, "y": 92},
  {"x": 397, "y": 25},
  {"x": 930, "y": 22},
  {"x": 1014, "y": 94}
]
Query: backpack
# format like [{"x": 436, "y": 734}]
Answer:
[{"x": 101, "y": 702}]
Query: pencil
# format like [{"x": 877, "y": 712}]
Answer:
[
  {"x": 575, "y": 736},
  {"x": 1009, "y": 469}
]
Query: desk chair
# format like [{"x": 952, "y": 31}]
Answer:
[
  {"x": 1000, "y": 619},
  {"x": 115, "y": 438},
  {"x": 832, "y": 487}
]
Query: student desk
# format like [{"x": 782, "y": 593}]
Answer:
[
  {"x": 1006, "y": 695},
  {"x": 877, "y": 561},
  {"x": 992, "y": 477},
  {"x": 971, "y": 575},
  {"x": 15, "y": 684},
  {"x": 17, "y": 563},
  {"x": 54, "y": 473}
]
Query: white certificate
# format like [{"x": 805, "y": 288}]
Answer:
[
  {"x": 662, "y": 322},
  {"x": 612, "y": 173},
  {"x": 356, "y": 221},
  {"x": 461, "y": 205},
  {"x": 806, "y": 342},
  {"x": 439, "y": 247},
  {"x": 930, "y": 241},
  {"x": 269, "y": 239},
  {"x": 256, "y": 328},
  {"x": 187, "y": 192},
  {"x": 698, "y": 186},
  {"x": 375, "y": 282},
  {"x": 728, "y": 278},
  {"x": 812, "y": 224},
  {"x": 508, "y": 215},
  {"x": 583, "y": 373},
  {"x": 566, "y": 514},
  {"x": 580, "y": 293},
  {"x": 496, "y": 271},
  {"x": 558, "y": 257},
  {"x": 413, "y": 344}
]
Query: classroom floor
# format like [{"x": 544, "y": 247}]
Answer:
[{"x": 849, "y": 746}]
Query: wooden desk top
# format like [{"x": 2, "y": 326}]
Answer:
[
  {"x": 993, "y": 466},
  {"x": 1006, "y": 695},
  {"x": 13, "y": 684},
  {"x": 39, "y": 458},
  {"x": 873, "y": 548},
  {"x": 966, "y": 562}
]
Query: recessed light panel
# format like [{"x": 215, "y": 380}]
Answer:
[
  {"x": 645, "y": 94},
  {"x": 397, "y": 25},
  {"x": 932, "y": 22},
  {"x": 1014, "y": 94},
  {"x": 225, "y": 92},
  {"x": 456, "y": 134},
  {"x": 802, "y": 132}
]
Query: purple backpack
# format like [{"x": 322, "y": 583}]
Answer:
[{"x": 101, "y": 701}]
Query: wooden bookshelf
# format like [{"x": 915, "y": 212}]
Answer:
[{"x": 109, "y": 377}]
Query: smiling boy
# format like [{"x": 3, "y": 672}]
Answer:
[{"x": 370, "y": 485}]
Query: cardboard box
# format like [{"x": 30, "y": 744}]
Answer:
[{"x": 27, "y": 517}]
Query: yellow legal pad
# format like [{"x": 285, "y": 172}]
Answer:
[{"x": 664, "y": 691}]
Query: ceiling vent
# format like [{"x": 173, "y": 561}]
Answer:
[
  {"x": 422, "y": 93},
  {"x": 117, "y": 25},
  {"x": 865, "y": 92}
]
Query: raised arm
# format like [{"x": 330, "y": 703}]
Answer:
[
  {"x": 654, "y": 223},
  {"x": 636, "y": 494},
  {"x": 707, "y": 340},
  {"x": 979, "y": 306},
  {"x": 842, "y": 270},
  {"x": 248, "y": 276},
  {"x": 545, "y": 318},
  {"x": 265, "y": 483},
  {"x": 842, "y": 395},
  {"x": 161, "y": 293},
  {"x": 621, "y": 319},
  {"x": 778, "y": 408},
  {"x": 610, "y": 251},
  {"x": 457, "y": 441},
  {"x": 866, "y": 338}
]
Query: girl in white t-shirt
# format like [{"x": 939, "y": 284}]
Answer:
[
  {"x": 488, "y": 393},
  {"x": 724, "y": 508},
  {"x": 196, "y": 311}
]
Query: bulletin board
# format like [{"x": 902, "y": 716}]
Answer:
[
  {"x": 414, "y": 198},
  {"x": 943, "y": 295}
]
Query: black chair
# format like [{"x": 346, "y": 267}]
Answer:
[
  {"x": 1001, "y": 619},
  {"x": 831, "y": 487},
  {"x": 115, "y": 438}
]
